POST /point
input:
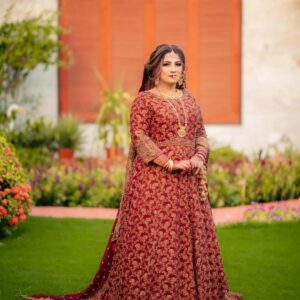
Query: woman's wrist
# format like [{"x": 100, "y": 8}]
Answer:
[
  {"x": 169, "y": 165},
  {"x": 175, "y": 165},
  {"x": 161, "y": 160}
]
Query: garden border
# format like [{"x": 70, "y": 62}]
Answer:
[{"x": 221, "y": 215}]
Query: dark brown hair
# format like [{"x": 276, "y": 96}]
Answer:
[{"x": 152, "y": 66}]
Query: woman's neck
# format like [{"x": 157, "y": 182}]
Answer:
[{"x": 166, "y": 88}]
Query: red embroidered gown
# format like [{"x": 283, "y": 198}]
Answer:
[{"x": 163, "y": 244}]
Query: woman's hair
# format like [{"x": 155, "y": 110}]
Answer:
[{"x": 152, "y": 66}]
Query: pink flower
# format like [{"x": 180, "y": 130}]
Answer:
[
  {"x": 3, "y": 211},
  {"x": 4, "y": 202},
  {"x": 15, "y": 190},
  {"x": 14, "y": 220},
  {"x": 18, "y": 197},
  {"x": 27, "y": 188},
  {"x": 22, "y": 218}
]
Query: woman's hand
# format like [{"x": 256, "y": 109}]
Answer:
[
  {"x": 196, "y": 164},
  {"x": 183, "y": 165}
]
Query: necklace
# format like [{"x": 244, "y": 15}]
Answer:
[
  {"x": 176, "y": 96},
  {"x": 182, "y": 128}
]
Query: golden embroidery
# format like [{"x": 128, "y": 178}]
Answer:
[
  {"x": 201, "y": 141},
  {"x": 163, "y": 244},
  {"x": 145, "y": 147},
  {"x": 176, "y": 141}
]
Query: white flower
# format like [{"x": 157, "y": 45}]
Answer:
[
  {"x": 10, "y": 110},
  {"x": 14, "y": 107}
]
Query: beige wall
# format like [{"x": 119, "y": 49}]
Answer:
[
  {"x": 270, "y": 77},
  {"x": 40, "y": 83},
  {"x": 270, "y": 98}
]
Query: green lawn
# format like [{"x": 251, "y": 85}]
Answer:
[{"x": 61, "y": 256}]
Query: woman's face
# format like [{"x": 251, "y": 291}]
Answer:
[{"x": 171, "y": 68}]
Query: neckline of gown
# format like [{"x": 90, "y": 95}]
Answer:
[{"x": 160, "y": 97}]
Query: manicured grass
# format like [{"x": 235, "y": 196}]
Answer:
[{"x": 61, "y": 256}]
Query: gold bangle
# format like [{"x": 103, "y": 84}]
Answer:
[
  {"x": 170, "y": 169},
  {"x": 169, "y": 166},
  {"x": 167, "y": 163}
]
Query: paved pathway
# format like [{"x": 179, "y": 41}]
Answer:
[{"x": 221, "y": 215}]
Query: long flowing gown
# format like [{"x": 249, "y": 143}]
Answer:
[{"x": 163, "y": 243}]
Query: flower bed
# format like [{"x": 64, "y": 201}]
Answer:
[
  {"x": 261, "y": 213},
  {"x": 77, "y": 183},
  {"x": 15, "y": 201},
  {"x": 235, "y": 179}
]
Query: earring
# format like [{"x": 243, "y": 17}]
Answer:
[
  {"x": 180, "y": 81},
  {"x": 182, "y": 78}
]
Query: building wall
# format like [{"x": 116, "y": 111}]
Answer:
[
  {"x": 270, "y": 77},
  {"x": 270, "y": 91},
  {"x": 42, "y": 84}
]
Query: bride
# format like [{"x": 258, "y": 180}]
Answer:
[{"x": 163, "y": 243}]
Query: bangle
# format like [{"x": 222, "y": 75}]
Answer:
[
  {"x": 170, "y": 169},
  {"x": 169, "y": 165}
]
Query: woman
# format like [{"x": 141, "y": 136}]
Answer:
[{"x": 163, "y": 244}]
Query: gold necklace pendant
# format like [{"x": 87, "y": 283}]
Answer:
[
  {"x": 181, "y": 131},
  {"x": 182, "y": 128}
]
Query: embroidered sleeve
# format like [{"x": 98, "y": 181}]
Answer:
[
  {"x": 140, "y": 119},
  {"x": 201, "y": 141}
]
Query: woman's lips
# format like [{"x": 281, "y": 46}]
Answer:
[{"x": 172, "y": 76}]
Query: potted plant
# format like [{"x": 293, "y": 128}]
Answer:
[
  {"x": 69, "y": 136},
  {"x": 113, "y": 120}
]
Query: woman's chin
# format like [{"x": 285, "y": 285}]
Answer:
[{"x": 170, "y": 81}]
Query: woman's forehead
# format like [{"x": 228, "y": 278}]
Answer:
[{"x": 171, "y": 56}]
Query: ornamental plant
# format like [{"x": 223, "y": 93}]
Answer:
[
  {"x": 236, "y": 179},
  {"x": 113, "y": 116},
  {"x": 260, "y": 212},
  {"x": 77, "y": 183},
  {"x": 69, "y": 133},
  {"x": 24, "y": 45},
  {"x": 15, "y": 200},
  {"x": 35, "y": 143}
]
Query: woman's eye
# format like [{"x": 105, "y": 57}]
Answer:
[{"x": 166, "y": 64}]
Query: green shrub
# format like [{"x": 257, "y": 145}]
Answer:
[
  {"x": 69, "y": 133},
  {"x": 231, "y": 180},
  {"x": 14, "y": 190},
  {"x": 241, "y": 180},
  {"x": 24, "y": 45},
  {"x": 77, "y": 184},
  {"x": 273, "y": 177},
  {"x": 35, "y": 142}
]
